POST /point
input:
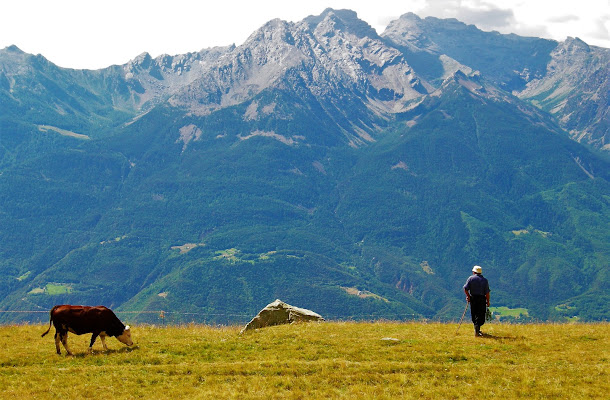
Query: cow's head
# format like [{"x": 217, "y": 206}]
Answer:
[{"x": 125, "y": 337}]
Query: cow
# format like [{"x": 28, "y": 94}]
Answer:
[{"x": 99, "y": 321}]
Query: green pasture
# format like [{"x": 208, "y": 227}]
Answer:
[{"x": 338, "y": 360}]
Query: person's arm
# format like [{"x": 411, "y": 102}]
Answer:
[
  {"x": 487, "y": 298},
  {"x": 468, "y": 295}
]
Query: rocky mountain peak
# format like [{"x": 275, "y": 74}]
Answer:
[
  {"x": 336, "y": 52},
  {"x": 573, "y": 47},
  {"x": 13, "y": 49},
  {"x": 144, "y": 60},
  {"x": 471, "y": 82},
  {"x": 408, "y": 31},
  {"x": 273, "y": 31},
  {"x": 334, "y": 49},
  {"x": 15, "y": 62},
  {"x": 575, "y": 90},
  {"x": 332, "y": 20}
]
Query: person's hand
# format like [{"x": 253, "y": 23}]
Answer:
[
  {"x": 467, "y": 299},
  {"x": 488, "y": 304}
]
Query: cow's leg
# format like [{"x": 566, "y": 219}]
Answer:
[
  {"x": 93, "y": 337},
  {"x": 64, "y": 341},
  {"x": 57, "y": 340},
  {"x": 103, "y": 339}
]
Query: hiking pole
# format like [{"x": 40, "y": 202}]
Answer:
[{"x": 461, "y": 319}]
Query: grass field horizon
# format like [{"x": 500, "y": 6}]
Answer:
[{"x": 364, "y": 360}]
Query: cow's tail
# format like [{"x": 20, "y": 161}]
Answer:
[{"x": 50, "y": 321}]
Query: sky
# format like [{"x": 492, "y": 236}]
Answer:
[{"x": 93, "y": 34}]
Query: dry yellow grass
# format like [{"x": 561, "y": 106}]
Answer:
[{"x": 317, "y": 360}]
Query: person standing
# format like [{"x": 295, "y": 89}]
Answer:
[{"x": 477, "y": 294}]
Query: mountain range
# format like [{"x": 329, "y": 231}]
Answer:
[{"x": 356, "y": 174}]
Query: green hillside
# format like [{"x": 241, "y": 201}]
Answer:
[{"x": 403, "y": 218}]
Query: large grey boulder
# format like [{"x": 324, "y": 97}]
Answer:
[{"x": 278, "y": 313}]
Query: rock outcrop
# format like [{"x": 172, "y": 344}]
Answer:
[{"x": 278, "y": 313}]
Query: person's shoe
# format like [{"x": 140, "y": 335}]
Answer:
[{"x": 477, "y": 331}]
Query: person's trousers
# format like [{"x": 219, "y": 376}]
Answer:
[{"x": 478, "y": 307}]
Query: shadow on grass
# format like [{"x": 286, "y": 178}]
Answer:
[
  {"x": 107, "y": 352},
  {"x": 498, "y": 337}
]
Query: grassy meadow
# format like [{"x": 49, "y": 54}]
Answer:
[{"x": 381, "y": 360}]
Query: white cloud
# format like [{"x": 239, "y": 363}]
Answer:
[
  {"x": 601, "y": 29},
  {"x": 587, "y": 19},
  {"x": 564, "y": 18}
]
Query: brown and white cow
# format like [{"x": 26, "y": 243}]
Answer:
[{"x": 99, "y": 321}]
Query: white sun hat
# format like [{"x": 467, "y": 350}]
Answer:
[{"x": 477, "y": 269}]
